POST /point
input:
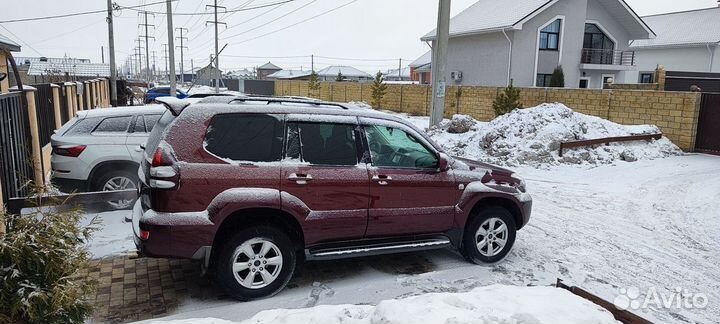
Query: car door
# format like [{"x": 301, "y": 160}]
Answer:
[
  {"x": 138, "y": 135},
  {"x": 408, "y": 192},
  {"x": 322, "y": 179}
]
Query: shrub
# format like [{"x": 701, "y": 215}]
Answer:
[
  {"x": 507, "y": 101},
  {"x": 340, "y": 77},
  {"x": 314, "y": 82},
  {"x": 557, "y": 80},
  {"x": 378, "y": 89},
  {"x": 41, "y": 257}
]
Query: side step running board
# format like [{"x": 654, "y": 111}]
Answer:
[{"x": 370, "y": 248}]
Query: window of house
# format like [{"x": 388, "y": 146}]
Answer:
[
  {"x": 113, "y": 125},
  {"x": 394, "y": 148},
  {"x": 584, "y": 83},
  {"x": 550, "y": 36},
  {"x": 543, "y": 80},
  {"x": 647, "y": 77},
  {"x": 245, "y": 137}
]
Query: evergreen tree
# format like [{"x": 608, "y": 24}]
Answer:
[
  {"x": 340, "y": 77},
  {"x": 557, "y": 80},
  {"x": 507, "y": 101},
  {"x": 41, "y": 257},
  {"x": 314, "y": 83},
  {"x": 378, "y": 89}
]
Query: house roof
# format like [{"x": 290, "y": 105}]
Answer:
[
  {"x": 405, "y": 73},
  {"x": 422, "y": 60},
  {"x": 269, "y": 66},
  {"x": 686, "y": 28},
  {"x": 289, "y": 74},
  {"x": 8, "y": 44},
  {"x": 56, "y": 60},
  {"x": 347, "y": 71},
  {"x": 76, "y": 69},
  {"x": 492, "y": 15}
]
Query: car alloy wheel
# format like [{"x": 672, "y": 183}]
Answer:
[
  {"x": 257, "y": 263},
  {"x": 116, "y": 184},
  {"x": 491, "y": 237}
]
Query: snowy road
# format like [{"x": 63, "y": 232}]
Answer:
[{"x": 644, "y": 224}]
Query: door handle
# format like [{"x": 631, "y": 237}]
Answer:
[
  {"x": 301, "y": 179},
  {"x": 382, "y": 179}
]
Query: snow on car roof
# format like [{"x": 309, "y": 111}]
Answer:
[{"x": 120, "y": 111}]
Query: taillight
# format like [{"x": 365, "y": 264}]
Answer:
[
  {"x": 161, "y": 168},
  {"x": 144, "y": 235},
  {"x": 157, "y": 159},
  {"x": 70, "y": 151}
]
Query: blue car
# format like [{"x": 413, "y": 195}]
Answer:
[{"x": 158, "y": 92}]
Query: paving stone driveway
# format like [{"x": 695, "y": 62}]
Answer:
[{"x": 132, "y": 289}]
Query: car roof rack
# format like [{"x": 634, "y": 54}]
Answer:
[{"x": 271, "y": 100}]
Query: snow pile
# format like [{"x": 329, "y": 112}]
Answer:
[
  {"x": 532, "y": 137},
  {"x": 360, "y": 104},
  {"x": 490, "y": 304},
  {"x": 461, "y": 124}
]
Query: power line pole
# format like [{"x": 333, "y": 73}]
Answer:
[
  {"x": 400, "y": 71},
  {"x": 217, "y": 50},
  {"x": 182, "y": 57},
  {"x": 147, "y": 47},
  {"x": 165, "y": 57},
  {"x": 439, "y": 62},
  {"x": 171, "y": 46},
  {"x": 154, "y": 60},
  {"x": 192, "y": 71},
  {"x": 312, "y": 63}
]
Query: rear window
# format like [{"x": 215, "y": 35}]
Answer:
[
  {"x": 81, "y": 127},
  {"x": 113, "y": 125},
  {"x": 245, "y": 137}
]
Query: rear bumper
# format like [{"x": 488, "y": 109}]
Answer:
[
  {"x": 70, "y": 185},
  {"x": 171, "y": 241}
]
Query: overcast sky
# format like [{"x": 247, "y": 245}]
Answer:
[{"x": 375, "y": 32}]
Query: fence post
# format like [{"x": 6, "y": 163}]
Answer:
[
  {"x": 86, "y": 95},
  {"x": 79, "y": 95},
  {"x": 96, "y": 94},
  {"x": 104, "y": 84},
  {"x": 34, "y": 136},
  {"x": 68, "y": 99},
  {"x": 56, "y": 105},
  {"x": 101, "y": 92},
  {"x": 73, "y": 89}
]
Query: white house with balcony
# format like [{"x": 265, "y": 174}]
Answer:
[{"x": 492, "y": 42}]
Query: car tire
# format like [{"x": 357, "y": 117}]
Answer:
[
  {"x": 480, "y": 245},
  {"x": 120, "y": 180},
  {"x": 252, "y": 275}
]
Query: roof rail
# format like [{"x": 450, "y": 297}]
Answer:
[{"x": 271, "y": 100}]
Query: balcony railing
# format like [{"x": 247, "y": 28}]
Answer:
[{"x": 608, "y": 57}]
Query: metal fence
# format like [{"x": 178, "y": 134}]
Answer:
[
  {"x": 15, "y": 157},
  {"x": 45, "y": 112}
]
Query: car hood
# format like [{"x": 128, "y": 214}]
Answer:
[{"x": 467, "y": 170}]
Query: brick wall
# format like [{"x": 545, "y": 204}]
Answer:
[{"x": 676, "y": 113}]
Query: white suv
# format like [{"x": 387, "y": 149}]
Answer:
[{"x": 100, "y": 150}]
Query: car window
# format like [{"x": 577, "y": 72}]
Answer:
[
  {"x": 322, "y": 143},
  {"x": 82, "y": 126},
  {"x": 244, "y": 137},
  {"x": 150, "y": 121},
  {"x": 139, "y": 125},
  {"x": 395, "y": 148},
  {"x": 165, "y": 91},
  {"x": 113, "y": 125}
]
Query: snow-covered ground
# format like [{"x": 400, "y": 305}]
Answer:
[
  {"x": 114, "y": 236},
  {"x": 485, "y": 305},
  {"x": 649, "y": 224}
]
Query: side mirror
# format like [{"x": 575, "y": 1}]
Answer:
[{"x": 443, "y": 162}]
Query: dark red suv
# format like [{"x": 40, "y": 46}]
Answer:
[{"x": 250, "y": 185}]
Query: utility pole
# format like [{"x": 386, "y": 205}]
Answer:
[
  {"x": 217, "y": 50},
  {"x": 111, "y": 54},
  {"x": 439, "y": 62},
  {"x": 192, "y": 71},
  {"x": 154, "y": 60},
  {"x": 165, "y": 57},
  {"x": 147, "y": 47},
  {"x": 182, "y": 57},
  {"x": 171, "y": 46},
  {"x": 102, "y": 54},
  {"x": 312, "y": 63},
  {"x": 400, "y": 71}
]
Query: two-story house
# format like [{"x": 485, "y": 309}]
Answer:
[{"x": 492, "y": 42}]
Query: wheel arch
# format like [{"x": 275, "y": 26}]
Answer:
[
  {"x": 259, "y": 216},
  {"x": 106, "y": 166},
  {"x": 505, "y": 203}
]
